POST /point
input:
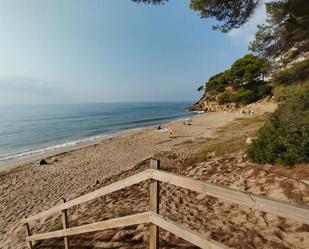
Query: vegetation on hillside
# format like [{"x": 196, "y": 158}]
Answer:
[
  {"x": 243, "y": 83},
  {"x": 283, "y": 93},
  {"x": 283, "y": 38},
  {"x": 297, "y": 74},
  {"x": 285, "y": 137},
  {"x": 228, "y": 138},
  {"x": 285, "y": 31}
]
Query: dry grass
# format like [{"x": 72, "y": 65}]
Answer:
[
  {"x": 251, "y": 120},
  {"x": 230, "y": 138},
  {"x": 218, "y": 148},
  {"x": 241, "y": 123}
]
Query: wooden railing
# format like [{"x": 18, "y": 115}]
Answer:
[{"x": 280, "y": 208}]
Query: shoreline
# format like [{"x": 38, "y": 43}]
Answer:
[
  {"x": 84, "y": 142},
  {"x": 28, "y": 189}
]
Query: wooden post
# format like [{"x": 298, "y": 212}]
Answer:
[
  {"x": 28, "y": 232},
  {"x": 154, "y": 207},
  {"x": 65, "y": 225}
]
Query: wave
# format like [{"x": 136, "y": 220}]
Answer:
[
  {"x": 61, "y": 131},
  {"x": 69, "y": 144}
]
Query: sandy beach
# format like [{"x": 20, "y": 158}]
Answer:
[
  {"x": 26, "y": 189},
  {"x": 29, "y": 189}
]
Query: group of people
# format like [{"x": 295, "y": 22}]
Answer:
[{"x": 249, "y": 112}]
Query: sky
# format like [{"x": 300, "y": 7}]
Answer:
[{"x": 78, "y": 51}]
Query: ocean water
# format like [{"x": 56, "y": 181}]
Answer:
[{"x": 27, "y": 130}]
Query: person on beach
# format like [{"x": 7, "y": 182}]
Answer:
[{"x": 159, "y": 128}]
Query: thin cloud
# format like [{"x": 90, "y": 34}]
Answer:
[
  {"x": 246, "y": 34},
  {"x": 26, "y": 85}
]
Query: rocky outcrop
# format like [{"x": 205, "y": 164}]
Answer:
[
  {"x": 299, "y": 52},
  {"x": 209, "y": 103},
  {"x": 213, "y": 106}
]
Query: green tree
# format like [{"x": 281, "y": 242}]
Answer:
[
  {"x": 200, "y": 88},
  {"x": 217, "y": 83},
  {"x": 248, "y": 71},
  {"x": 229, "y": 13},
  {"x": 246, "y": 77},
  {"x": 286, "y": 28}
]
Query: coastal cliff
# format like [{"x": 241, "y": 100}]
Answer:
[{"x": 212, "y": 106}]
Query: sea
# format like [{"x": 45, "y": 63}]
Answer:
[{"x": 29, "y": 130}]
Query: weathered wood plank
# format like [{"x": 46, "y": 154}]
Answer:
[
  {"x": 65, "y": 225},
  {"x": 130, "y": 220},
  {"x": 154, "y": 207},
  {"x": 280, "y": 208},
  {"x": 185, "y": 233},
  {"x": 129, "y": 181},
  {"x": 28, "y": 233}
]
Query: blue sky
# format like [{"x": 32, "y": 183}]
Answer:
[{"x": 57, "y": 51}]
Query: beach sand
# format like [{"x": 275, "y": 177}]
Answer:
[{"x": 26, "y": 189}]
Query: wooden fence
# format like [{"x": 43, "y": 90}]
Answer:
[{"x": 280, "y": 208}]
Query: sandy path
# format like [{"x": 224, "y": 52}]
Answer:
[{"x": 27, "y": 189}]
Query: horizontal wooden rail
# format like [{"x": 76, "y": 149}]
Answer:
[
  {"x": 136, "y": 219},
  {"x": 280, "y": 208},
  {"x": 130, "y": 220},
  {"x": 129, "y": 181},
  {"x": 185, "y": 233}
]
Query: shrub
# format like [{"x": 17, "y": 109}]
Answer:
[
  {"x": 243, "y": 97},
  {"x": 263, "y": 91},
  {"x": 223, "y": 98},
  {"x": 246, "y": 96},
  {"x": 282, "y": 93},
  {"x": 298, "y": 73},
  {"x": 285, "y": 137}
]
